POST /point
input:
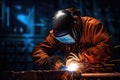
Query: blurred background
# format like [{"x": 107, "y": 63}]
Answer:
[{"x": 25, "y": 23}]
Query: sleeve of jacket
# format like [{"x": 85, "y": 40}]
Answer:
[
  {"x": 101, "y": 48},
  {"x": 44, "y": 50}
]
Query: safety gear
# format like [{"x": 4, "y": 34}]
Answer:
[
  {"x": 62, "y": 22},
  {"x": 94, "y": 44},
  {"x": 64, "y": 30},
  {"x": 69, "y": 38},
  {"x": 66, "y": 39}
]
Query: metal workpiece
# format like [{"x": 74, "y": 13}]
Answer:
[
  {"x": 57, "y": 75},
  {"x": 100, "y": 75}
]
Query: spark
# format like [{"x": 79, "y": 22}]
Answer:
[
  {"x": 73, "y": 63},
  {"x": 73, "y": 66}
]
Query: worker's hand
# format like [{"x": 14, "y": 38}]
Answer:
[{"x": 52, "y": 63}]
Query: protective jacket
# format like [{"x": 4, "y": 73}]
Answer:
[{"x": 93, "y": 46}]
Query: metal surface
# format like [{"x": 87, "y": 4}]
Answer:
[
  {"x": 100, "y": 75},
  {"x": 56, "y": 75}
]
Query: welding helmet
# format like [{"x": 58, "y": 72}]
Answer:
[{"x": 63, "y": 29}]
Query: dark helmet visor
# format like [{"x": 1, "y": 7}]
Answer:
[{"x": 62, "y": 22}]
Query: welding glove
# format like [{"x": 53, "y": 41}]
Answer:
[{"x": 51, "y": 63}]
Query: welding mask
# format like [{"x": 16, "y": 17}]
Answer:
[{"x": 64, "y": 30}]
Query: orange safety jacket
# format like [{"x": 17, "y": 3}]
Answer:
[{"x": 93, "y": 47}]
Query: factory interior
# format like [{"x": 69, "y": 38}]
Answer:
[{"x": 26, "y": 23}]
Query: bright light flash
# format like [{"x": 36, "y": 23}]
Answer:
[
  {"x": 73, "y": 66},
  {"x": 60, "y": 13}
]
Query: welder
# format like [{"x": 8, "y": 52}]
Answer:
[{"x": 83, "y": 36}]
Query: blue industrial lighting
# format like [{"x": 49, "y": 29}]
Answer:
[
  {"x": 22, "y": 18},
  {"x": 8, "y": 16},
  {"x": 18, "y": 7}
]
